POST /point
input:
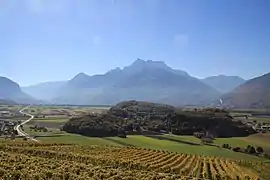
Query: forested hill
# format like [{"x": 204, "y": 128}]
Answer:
[{"x": 124, "y": 119}]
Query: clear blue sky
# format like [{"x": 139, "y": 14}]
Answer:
[{"x": 47, "y": 40}]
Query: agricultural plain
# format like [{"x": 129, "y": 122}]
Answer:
[
  {"x": 63, "y": 155},
  {"x": 53, "y": 117}
]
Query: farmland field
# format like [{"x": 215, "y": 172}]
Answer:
[
  {"x": 69, "y": 161},
  {"x": 180, "y": 144}
]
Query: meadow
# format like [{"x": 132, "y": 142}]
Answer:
[{"x": 172, "y": 143}]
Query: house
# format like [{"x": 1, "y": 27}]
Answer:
[{"x": 4, "y": 113}]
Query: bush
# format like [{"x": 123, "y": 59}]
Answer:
[
  {"x": 207, "y": 140},
  {"x": 267, "y": 156},
  {"x": 259, "y": 150},
  {"x": 250, "y": 150},
  {"x": 227, "y": 146},
  {"x": 236, "y": 149}
]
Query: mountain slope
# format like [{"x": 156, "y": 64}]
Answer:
[
  {"x": 142, "y": 80},
  {"x": 255, "y": 93},
  {"x": 222, "y": 83},
  {"x": 44, "y": 91},
  {"x": 6, "y": 102},
  {"x": 9, "y": 90}
]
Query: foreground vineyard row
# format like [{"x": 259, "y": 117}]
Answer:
[{"x": 60, "y": 161}]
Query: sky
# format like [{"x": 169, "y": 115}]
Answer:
[{"x": 51, "y": 40}]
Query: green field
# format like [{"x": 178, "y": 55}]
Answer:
[
  {"x": 51, "y": 119},
  {"x": 35, "y": 110},
  {"x": 181, "y": 144}
]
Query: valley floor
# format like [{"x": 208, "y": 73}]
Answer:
[
  {"x": 136, "y": 157},
  {"x": 172, "y": 143}
]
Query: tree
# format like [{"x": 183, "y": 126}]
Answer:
[
  {"x": 15, "y": 132},
  {"x": 226, "y": 146},
  {"x": 250, "y": 150},
  {"x": 12, "y": 136},
  {"x": 236, "y": 149},
  {"x": 259, "y": 150}
]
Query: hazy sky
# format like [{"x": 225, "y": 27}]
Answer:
[{"x": 45, "y": 40}]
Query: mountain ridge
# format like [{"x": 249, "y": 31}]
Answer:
[
  {"x": 255, "y": 93},
  {"x": 224, "y": 83},
  {"x": 10, "y": 91},
  {"x": 142, "y": 80},
  {"x": 43, "y": 91}
]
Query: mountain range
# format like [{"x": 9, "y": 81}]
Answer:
[{"x": 144, "y": 80}]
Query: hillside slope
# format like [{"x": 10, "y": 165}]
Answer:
[
  {"x": 255, "y": 93},
  {"x": 11, "y": 91},
  {"x": 224, "y": 84},
  {"x": 44, "y": 91}
]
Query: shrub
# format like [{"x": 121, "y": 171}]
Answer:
[
  {"x": 250, "y": 150},
  {"x": 259, "y": 150},
  {"x": 236, "y": 149}
]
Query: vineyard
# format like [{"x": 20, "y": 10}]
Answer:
[{"x": 24, "y": 160}]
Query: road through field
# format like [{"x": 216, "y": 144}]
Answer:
[{"x": 17, "y": 127}]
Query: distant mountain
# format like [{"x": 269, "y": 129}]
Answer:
[
  {"x": 142, "y": 80},
  {"x": 44, "y": 91},
  {"x": 222, "y": 83},
  {"x": 11, "y": 91},
  {"x": 254, "y": 93},
  {"x": 6, "y": 102}
]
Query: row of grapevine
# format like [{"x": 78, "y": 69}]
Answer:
[{"x": 108, "y": 162}]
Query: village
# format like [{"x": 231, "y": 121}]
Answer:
[{"x": 8, "y": 120}]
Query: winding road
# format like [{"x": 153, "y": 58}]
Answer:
[{"x": 17, "y": 127}]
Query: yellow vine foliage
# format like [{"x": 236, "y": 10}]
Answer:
[{"x": 24, "y": 160}]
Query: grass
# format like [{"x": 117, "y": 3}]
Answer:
[
  {"x": 54, "y": 119},
  {"x": 260, "y": 140},
  {"x": 180, "y": 144},
  {"x": 256, "y": 140},
  {"x": 71, "y": 109}
]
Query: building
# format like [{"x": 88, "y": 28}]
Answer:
[{"x": 4, "y": 113}]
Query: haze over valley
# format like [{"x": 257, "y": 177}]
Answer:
[{"x": 144, "y": 80}]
